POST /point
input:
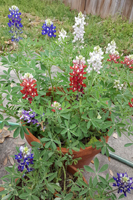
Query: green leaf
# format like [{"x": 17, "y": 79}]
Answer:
[
  {"x": 96, "y": 163},
  {"x": 35, "y": 197},
  {"x": 107, "y": 152},
  {"x": 111, "y": 149},
  {"x": 1, "y": 116},
  {"x": 103, "y": 168},
  {"x": 88, "y": 169},
  {"x": 73, "y": 126},
  {"x": 111, "y": 180},
  {"x": 53, "y": 145},
  {"x": 64, "y": 131},
  {"x": 66, "y": 116},
  {"x": 48, "y": 144},
  {"x": 69, "y": 196},
  {"x": 88, "y": 125},
  {"x": 66, "y": 123},
  {"x": 24, "y": 195},
  {"x": 22, "y": 132},
  {"x": 111, "y": 130},
  {"x": 83, "y": 192},
  {"x": 52, "y": 176},
  {"x": 103, "y": 180},
  {"x": 95, "y": 181},
  {"x": 16, "y": 132},
  {"x": 45, "y": 139},
  {"x": 121, "y": 196},
  {"x": 50, "y": 188},
  {"x": 128, "y": 144},
  {"x": 74, "y": 133},
  {"x": 81, "y": 145},
  {"x": 75, "y": 148},
  {"x": 35, "y": 144},
  {"x": 12, "y": 127},
  {"x": 6, "y": 197},
  {"x": 25, "y": 130},
  {"x": 103, "y": 150},
  {"x": 118, "y": 131},
  {"x": 2, "y": 125}
]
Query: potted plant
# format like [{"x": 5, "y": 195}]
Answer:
[
  {"x": 44, "y": 174},
  {"x": 79, "y": 107},
  {"x": 41, "y": 174}
]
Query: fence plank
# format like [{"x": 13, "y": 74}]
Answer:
[
  {"x": 93, "y": 6},
  {"x": 76, "y": 4},
  {"x": 104, "y": 8},
  {"x": 128, "y": 8}
]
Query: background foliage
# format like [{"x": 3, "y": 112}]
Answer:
[{"x": 97, "y": 31}]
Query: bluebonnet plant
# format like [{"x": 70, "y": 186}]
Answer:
[
  {"x": 48, "y": 28},
  {"x": 15, "y": 23},
  {"x": 123, "y": 182},
  {"x": 24, "y": 158},
  {"x": 29, "y": 116}
]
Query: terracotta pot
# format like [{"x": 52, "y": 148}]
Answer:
[{"x": 86, "y": 154}]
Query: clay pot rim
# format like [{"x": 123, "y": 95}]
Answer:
[{"x": 64, "y": 150}]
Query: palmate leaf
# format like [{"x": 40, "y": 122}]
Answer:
[
  {"x": 16, "y": 132},
  {"x": 103, "y": 168},
  {"x": 88, "y": 169},
  {"x": 111, "y": 130},
  {"x": 96, "y": 163}
]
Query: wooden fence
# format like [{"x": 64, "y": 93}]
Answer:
[{"x": 104, "y": 8}]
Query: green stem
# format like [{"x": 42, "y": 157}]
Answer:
[
  {"x": 49, "y": 71},
  {"x": 58, "y": 176},
  {"x": 110, "y": 191},
  {"x": 64, "y": 177}
]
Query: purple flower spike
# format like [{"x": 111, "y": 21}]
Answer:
[
  {"x": 15, "y": 23},
  {"x": 48, "y": 28},
  {"x": 24, "y": 158},
  {"x": 123, "y": 182},
  {"x": 29, "y": 117}
]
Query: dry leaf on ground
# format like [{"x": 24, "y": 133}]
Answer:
[
  {"x": 11, "y": 134},
  {"x": 111, "y": 173},
  {"x": 109, "y": 159},
  {"x": 4, "y": 135},
  {"x": 92, "y": 162},
  {"x": 11, "y": 160},
  {"x": 0, "y": 130},
  {"x": 5, "y": 128},
  {"x": 19, "y": 142},
  {"x": 115, "y": 135},
  {"x": 2, "y": 140},
  {"x": 5, "y": 161}
]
